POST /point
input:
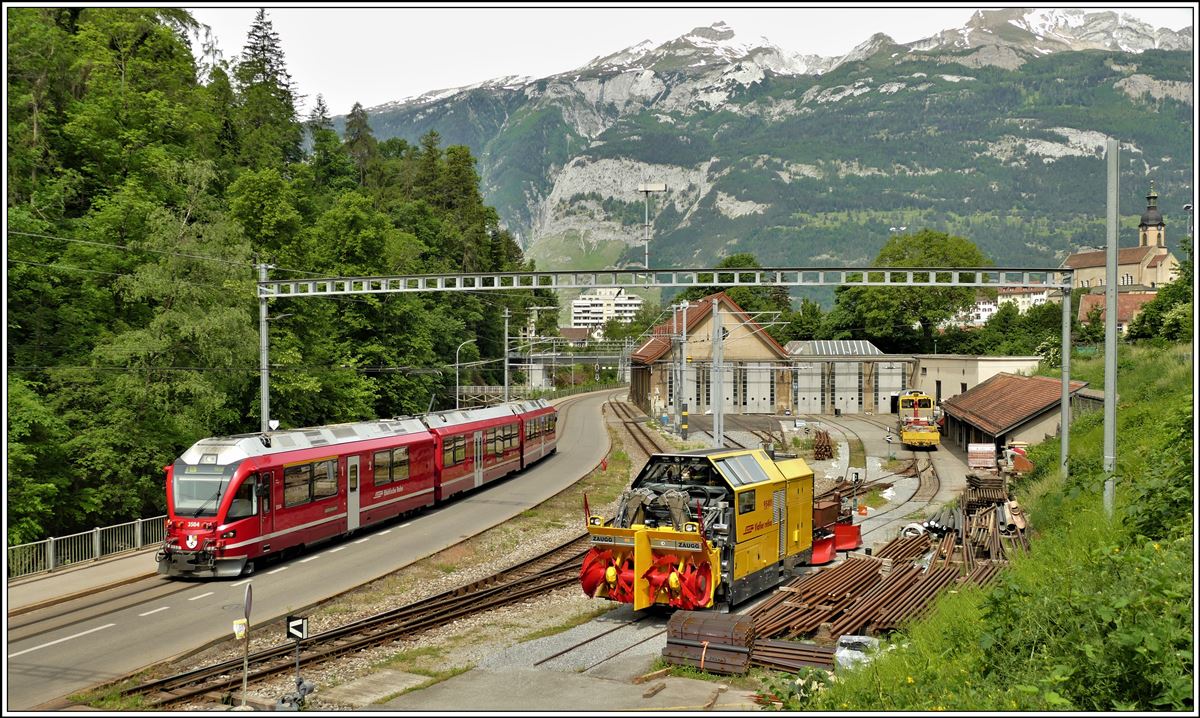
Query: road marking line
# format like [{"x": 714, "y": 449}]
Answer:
[
  {"x": 240, "y": 583},
  {"x": 51, "y": 643},
  {"x": 310, "y": 558},
  {"x": 281, "y": 568},
  {"x": 385, "y": 533},
  {"x": 197, "y": 598},
  {"x": 147, "y": 613},
  {"x": 362, "y": 540},
  {"x": 335, "y": 550}
]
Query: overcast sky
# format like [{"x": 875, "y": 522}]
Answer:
[{"x": 377, "y": 54}]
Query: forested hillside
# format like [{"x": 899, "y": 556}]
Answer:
[
  {"x": 1001, "y": 144},
  {"x": 143, "y": 188}
]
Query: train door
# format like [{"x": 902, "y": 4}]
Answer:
[
  {"x": 478, "y": 459},
  {"x": 266, "y": 517},
  {"x": 351, "y": 493}
]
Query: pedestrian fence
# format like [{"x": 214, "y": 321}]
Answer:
[{"x": 59, "y": 552}]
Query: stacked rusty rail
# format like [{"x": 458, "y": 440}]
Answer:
[
  {"x": 904, "y": 548},
  {"x": 917, "y": 600},
  {"x": 983, "y": 573},
  {"x": 790, "y": 656},
  {"x": 802, "y": 605},
  {"x": 822, "y": 446},
  {"x": 870, "y": 604}
]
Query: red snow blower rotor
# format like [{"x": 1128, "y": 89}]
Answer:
[
  {"x": 601, "y": 568},
  {"x": 685, "y": 583}
]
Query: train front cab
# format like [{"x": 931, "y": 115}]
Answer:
[
  {"x": 917, "y": 422},
  {"x": 756, "y": 527},
  {"x": 215, "y": 516}
]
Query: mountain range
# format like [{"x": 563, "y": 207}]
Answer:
[{"x": 994, "y": 131}]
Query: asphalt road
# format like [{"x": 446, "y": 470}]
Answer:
[{"x": 68, "y": 648}]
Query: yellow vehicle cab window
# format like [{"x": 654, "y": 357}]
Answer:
[
  {"x": 746, "y": 501},
  {"x": 741, "y": 470}
]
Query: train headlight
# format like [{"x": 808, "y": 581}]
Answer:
[
  {"x": 595, "y": 520},
  {"x": 691, "y": 527},
  {"x": 229, "y": 534}
]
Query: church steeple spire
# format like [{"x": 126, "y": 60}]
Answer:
[{"x": 1151, "y": 229}]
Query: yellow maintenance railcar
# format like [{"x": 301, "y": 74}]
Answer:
[
  {"x": 699, "y": 529},
  {"x": 918, "y": 421}
]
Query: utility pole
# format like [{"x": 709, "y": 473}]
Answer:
[
  {"x": 506, "y": 315},
  {"x": 675, "y": 363},
  {"x": 646, "y": 188},
  {"x": 1110, "y": 331},
  {"x": 264, "y": 365},
  {"x": 718, "y": 388}
]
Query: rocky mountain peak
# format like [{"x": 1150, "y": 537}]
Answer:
[
  {"x": 1043, "y": 31},
  {"x": 717, "y": 32}
]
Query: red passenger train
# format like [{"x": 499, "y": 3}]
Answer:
[{"x": 234, "y": 499}]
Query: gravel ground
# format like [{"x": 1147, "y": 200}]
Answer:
[{"x": 459, "y": 645}]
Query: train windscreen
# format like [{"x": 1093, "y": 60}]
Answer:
[{"x": 198, "y": 488}]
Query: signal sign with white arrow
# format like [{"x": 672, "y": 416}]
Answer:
[{"x": 297, "y": 627}]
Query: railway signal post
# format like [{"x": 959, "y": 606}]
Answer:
[{"x": 246, "y": 601}]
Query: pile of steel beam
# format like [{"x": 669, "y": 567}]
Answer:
[
  {"x": 869, "y": 605},
  {"x": 802, "y": 605},
  {"x": 791, "y": 656},
  {"x": 822, "y": 446},
  {"x": 904, "y": 548},
  {"x": 712, "y": 642},
  {"x": 917, "y": 600},
  {"x": 983, "y": 572}
]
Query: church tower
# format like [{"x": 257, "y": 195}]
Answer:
[{"x": 1151, "y": 230}]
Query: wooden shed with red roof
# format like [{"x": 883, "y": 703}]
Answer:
[
  {"x": 1005, "y": 408},
  {"x": 755, "y": 374}
]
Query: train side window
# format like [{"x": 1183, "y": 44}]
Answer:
[
  {"x": 296, "y": 485},
  {"x": 460, "y": 449},
  {"x": 324, "y": 480},
  {"x": 513, "y": 436},
  {"x": 490, "y": 444},
  {"x": 383, "y": 466},
  {"x": 242, "y": 505},
  {"x": 353, "y": 479},
  {"x": 400, "y": 464},
  {"x": 746, "y": 501},
  {"x": 448, "y": 452}
]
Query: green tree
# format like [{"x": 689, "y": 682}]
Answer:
[
  {"x": 332, "y": 171},
  {"x": 360, "y": 143},
  {"x": 1168, "y": 316},
  {"x": 887, "y": 315},
  {"x": 270, "y": 135},
  {"x": 806, "y": 322}
]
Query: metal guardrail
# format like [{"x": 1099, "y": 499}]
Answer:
[{"x": 55, "y": 553}]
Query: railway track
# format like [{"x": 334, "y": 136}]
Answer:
[
  {"x": 642, "y": 436},
  {"x": 553, "y": 569},
  {"x": 928, "y": 482}
]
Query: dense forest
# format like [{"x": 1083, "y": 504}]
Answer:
[{"x": 144, "y": 187}]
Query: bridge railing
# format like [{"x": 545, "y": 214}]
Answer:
[{"x": 59, "y": 552}]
